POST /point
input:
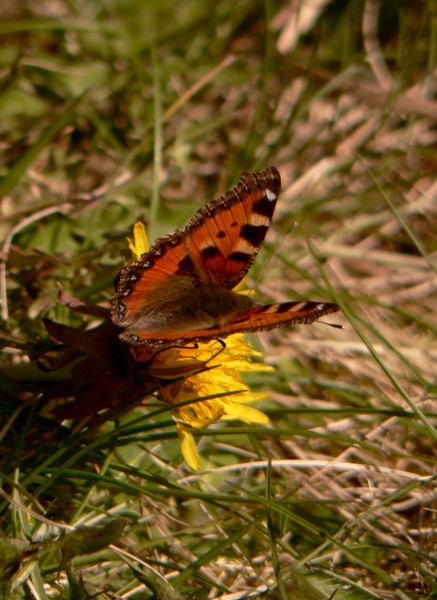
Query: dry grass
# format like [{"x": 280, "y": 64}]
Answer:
[{"x": 116, "y": 110}]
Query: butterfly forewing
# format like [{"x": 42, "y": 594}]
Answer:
[
  {"x": 224, "y": 237},
  {"x": 267, "y": 316}
]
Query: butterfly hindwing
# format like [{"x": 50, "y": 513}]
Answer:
[{"x": 137, "y": 283}]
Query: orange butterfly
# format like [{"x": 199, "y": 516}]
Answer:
[{"x": 180, "y": 291}]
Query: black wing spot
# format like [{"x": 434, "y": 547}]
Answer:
[
  {"x": 254, "y": 234},
  {"x": 285, "y": 307},
  {"x": 185, "y": 265},
  {"x": 263, "y": 206},
  {"x": 211, "y": 252},
  {"x": 242, "y": 257}
]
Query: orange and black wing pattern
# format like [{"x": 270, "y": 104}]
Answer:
[{"x": 216, "y": 248}]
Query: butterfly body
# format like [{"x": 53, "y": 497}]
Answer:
[
  {"x": 180, "y": 291},
  {"x": 183, "y": 307}
]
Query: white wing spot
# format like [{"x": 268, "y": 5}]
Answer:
[{"x": 270, "y": 195}]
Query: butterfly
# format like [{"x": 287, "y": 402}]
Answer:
[{"x": 180, "y": 291}]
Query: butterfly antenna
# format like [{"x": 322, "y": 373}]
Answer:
[{"x": 335, "y": 325}]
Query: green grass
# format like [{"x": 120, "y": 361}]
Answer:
[{"x": 116, "y": 111}]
